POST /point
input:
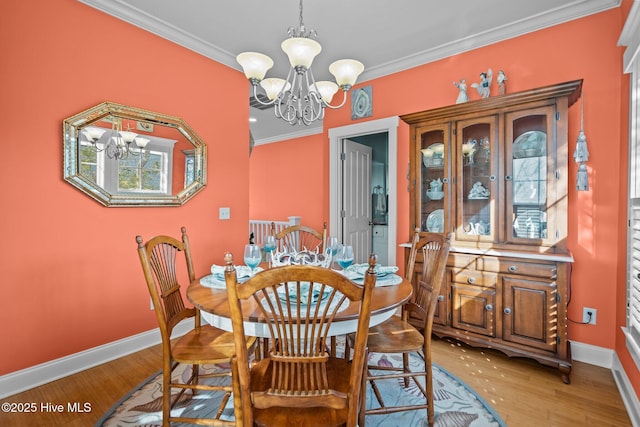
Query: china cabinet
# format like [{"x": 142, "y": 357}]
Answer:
[{"x": 494, "y": 172}]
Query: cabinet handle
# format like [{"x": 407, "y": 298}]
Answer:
[
  {"x": 512, "y": 268},
  {"x": 445, "y": 180},
  {"x": 492, "y": 178},
  {"x": 489, "y": 307},
  {"x": 507, "y": 310},
  {"x": 507, "y": 178},
  {"x": 440, "y": 297},
  {"x": 471, "y": 280}
]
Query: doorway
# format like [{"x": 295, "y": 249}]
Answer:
[{"x": 359, "y": 132}]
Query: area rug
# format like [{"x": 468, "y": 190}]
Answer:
[{"x": 456, "y": 404}]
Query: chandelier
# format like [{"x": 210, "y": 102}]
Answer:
[
  {"x": 299, "y": 98},
  {"x": 117, "y": 143}
]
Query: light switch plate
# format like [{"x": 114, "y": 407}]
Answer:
[{"x": 225, "y": 213}]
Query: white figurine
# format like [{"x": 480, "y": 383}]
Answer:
[
  {"x": 462, "y": 96},
  {"x": 502, "y": 83},
  {"x": 484, "y": 87}
]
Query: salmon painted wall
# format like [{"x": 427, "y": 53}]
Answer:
[
  {"x": 561, "y": 53},
  {"x": 70, "y": 271},
  {"x": 298, "y": 165}
]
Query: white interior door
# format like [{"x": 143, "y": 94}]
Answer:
[{"x": 356, "y": 201}]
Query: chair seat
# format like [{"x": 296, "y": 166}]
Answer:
[
  {"x": 206, "y": 345},
  {"x": 338, "y": 372},
  {"x": 394, "y": 336}
]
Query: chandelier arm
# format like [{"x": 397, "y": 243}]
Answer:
[
  {"x": 132, "y": 152},
  {"x": 255, "y": 94},
  {"x": 344, "y": 100}
]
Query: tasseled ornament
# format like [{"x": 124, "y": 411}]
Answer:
[
  {"x": 582, "y": 183},
  {"x": 581, "y": 155}
]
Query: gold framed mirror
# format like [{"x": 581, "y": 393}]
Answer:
[{"x": 126, "y": 156}]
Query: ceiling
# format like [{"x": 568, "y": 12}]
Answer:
[{"x": 386, "y": 36}]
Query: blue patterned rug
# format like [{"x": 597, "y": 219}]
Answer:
[{"x": 457, "y": 405}]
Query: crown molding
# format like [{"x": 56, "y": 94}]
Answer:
[
  {"x": 306, "y": 131},
  {"x": 573, "y": 10},
  {"x": 630, "y": 37},
  {"x": 134, "y": 16}
]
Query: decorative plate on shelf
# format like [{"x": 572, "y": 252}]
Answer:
[
  {"x": 433, "y": 155},
  {"x": 530, "y": 144},
  {"x": 435, "y": 221}
]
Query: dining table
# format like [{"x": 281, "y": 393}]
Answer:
[{"x": 388, "y": 295}]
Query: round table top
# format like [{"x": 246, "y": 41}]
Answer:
[{"x": 214, "y": 308}]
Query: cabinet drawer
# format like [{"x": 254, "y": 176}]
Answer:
[
  {"x": 517, "y": 267},
  {"x": 476, "y": 278}
]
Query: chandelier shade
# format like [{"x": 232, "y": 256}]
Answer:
[
  {"x": 346, "y": 71},
  {"x": 254, "y": 64},
  {"x": 273, "y": 86},
  {"x": 326, "y": 90},
  {"x": 301, "y": 51},
  {"x": 299, "y": 99}
]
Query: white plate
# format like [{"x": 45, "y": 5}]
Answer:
[
  {"x": 435, "y": 221},
  {"x": 388, "y": 280},
  {"x": 530, "y": 144}
]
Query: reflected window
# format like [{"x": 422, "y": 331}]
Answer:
[{"x": 145, "y": 170}]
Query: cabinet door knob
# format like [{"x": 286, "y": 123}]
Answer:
[
  {"x": 507, "y": 310},
  {"x": 440, "y": 297},
  {"x": 492, "y": 178},
  {"x": 512, "y": 268},
  {"x": 507, "y": 178},
  {"x": 445, "y": 180},
  {"x": 489, "y": 307},
  {"x": 471, "y": 280}
]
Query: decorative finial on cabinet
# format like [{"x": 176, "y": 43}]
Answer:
[
  {"x": 462, "y": 95},
  {"x": 502, "y": 83},
  {"x": 484, "y": 87}
]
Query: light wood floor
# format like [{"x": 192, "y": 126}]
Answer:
[{"x": 522, "y": 391}]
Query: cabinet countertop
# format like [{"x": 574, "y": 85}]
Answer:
[{"x": 502, "y": 253}]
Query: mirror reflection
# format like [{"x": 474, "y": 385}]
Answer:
[{"x": 124, "y": 156}]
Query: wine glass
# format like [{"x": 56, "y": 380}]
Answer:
[
  {"x": 345, "y": 256},
  {"x": 252, "y": 256},
  {"x": 269, "y": 245},
  {"x": 332, "y": 247}
]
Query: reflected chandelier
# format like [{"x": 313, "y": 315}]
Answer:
[
  {"x": 299, "y": 98},
  {"x": 116, "y": 142}
]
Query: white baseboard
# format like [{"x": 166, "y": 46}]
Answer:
[
  {"x": 592, "y": 354},
  {"x": 627, "y": 392},
  {"x": 37, "y": 375}
]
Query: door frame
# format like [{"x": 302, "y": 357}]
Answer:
[{"x": 336, "y": 135}]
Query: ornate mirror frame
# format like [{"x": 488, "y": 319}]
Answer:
[{"x": 146, "y": 121}]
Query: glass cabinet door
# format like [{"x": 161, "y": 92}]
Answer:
[
  {"x": 475, "y": 150},
  {"x": 529, "y": 176},
  {"x": 433, "y": 179}
]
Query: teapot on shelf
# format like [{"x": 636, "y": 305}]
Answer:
[{"x": 435, "y": 185}]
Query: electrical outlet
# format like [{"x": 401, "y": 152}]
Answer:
[
  {"x": 585, "y": 315},
  {"x": 225, "y": 213}
]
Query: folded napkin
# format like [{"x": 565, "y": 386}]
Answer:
[
  {"x": 357, "y": 271},
  {"x": 242, "y": 272}
]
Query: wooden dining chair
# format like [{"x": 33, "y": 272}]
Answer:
[
  {"x": 299, "y": 383},
  {"x": 300, "y": 237},
  {"x": 410, "y": 332},
  {"x": 204, "y": 344}
]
